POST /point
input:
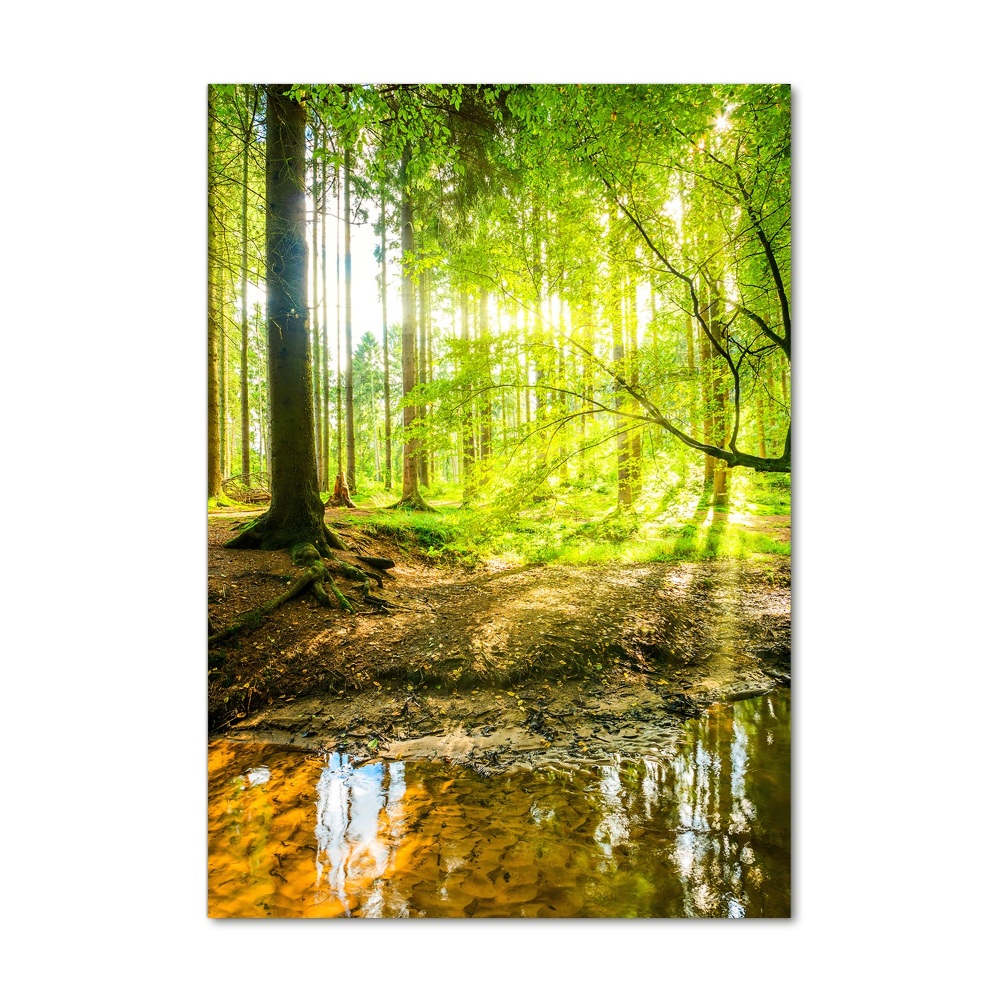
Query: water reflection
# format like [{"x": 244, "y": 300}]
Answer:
[{"x": 705, "y": 832}]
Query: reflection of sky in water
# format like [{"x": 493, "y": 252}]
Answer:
[
  {"x": 348, "y": 806},
  {"x": 258, "y": 776}
]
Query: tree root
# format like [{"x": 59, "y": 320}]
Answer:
[
  {"x": 412, "y": 502},
  {"x": 317, "y": 577},
  {"x": 334, "y": 540},
  {"x": 311, "y": 575}
]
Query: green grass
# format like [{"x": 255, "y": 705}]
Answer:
[{"x": 579, "y": 525}]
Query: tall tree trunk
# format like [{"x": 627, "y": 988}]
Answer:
[
  {"x": 340, "y": 496},
  {"x": 223, "y": 394},
  {"x": 588, "y": 374},
  {"x": 244, "y": 311},
  {"x": 411, "y": 444},
  {"x": 486, "y": 401},
  {"x": 429, "y": 452},
  {"x": 720, "y": 477},
  {"x": 707, "y": 404},
  {"x": 340, "y": 360},
  {"x": 632, "y": 312},
  {"x": 385, "y": 358},
  {"x": 692, "y": 373},
  {"x": 468, "y": 426},
  {"x": 296, "y": 511},
  {"x": 348, "y": 342},
  {"x": 623, "y": 449},
  {"x": 424, "y": 325},
  {"x": 314, "y": 316},
  {"x": 214, "y": 334},
  {"x": 262, "y": 408},
  {"x": 324, "y": 482},
  {"x": 561, "y": 381}
]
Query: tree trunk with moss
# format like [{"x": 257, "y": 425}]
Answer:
[{"x": 296, "y": 511}]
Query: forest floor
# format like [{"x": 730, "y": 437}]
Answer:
[{"x": 491, "y": 665}]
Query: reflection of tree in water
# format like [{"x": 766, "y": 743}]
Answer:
[
  {"x": 349, "y": 850},
  {"x": 705, "y": 833},
  {"x": 731, "y": 852}
]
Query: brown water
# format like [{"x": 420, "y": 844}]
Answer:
[{"x": 705, "y": 832}]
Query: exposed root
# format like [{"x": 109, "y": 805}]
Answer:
[
  {"x": 376, "y": 562},
  {"x": 316, "y": 576},
  {"x": 413, "y": 502},
  {"x": 307, "y": 578},
  {"x": 334, "y": 540}
]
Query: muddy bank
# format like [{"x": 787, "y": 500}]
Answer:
[{"x": 496, "y": 666}]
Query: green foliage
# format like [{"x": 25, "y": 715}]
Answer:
[
  {"x": 607, "y": 271},
  {"x": 581, "y": 526}
]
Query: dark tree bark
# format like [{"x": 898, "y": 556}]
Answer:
[
  {"x": 324, "y": 479},
  {"x": 251, "y": 113},
  {"x": 214, "y": 456},
  {"x": 296, "y": 511},
  {"x": 314, "y": 316},
  {"x": 348, "y": 345}
]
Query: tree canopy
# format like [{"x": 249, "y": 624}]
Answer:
[{"x": 584, "y": 280}]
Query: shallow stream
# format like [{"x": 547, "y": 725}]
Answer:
[{"x": 702, "y": 829}]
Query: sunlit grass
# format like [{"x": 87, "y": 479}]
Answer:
[{"x": 673, "y": 521}]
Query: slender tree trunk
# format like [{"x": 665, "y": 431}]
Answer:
[
  {"x": 635, "y": 466},
  {"x": 340, "y": 360},
  {"x": 296, "y": 511},
  {"x": 349, "y": 344},
  {"x": 429, "y": 452},
  {"x": 761, "y": 427},
  {"x": 262, "y": 394},
  {"x": 340, "y": 496},
  {"x": 325, "y": 471},
  {"x": 468, "y": 427},
  {"x": 411, "y": 444},
  {"x": 244, "y": 311},
  {"x": 588, "y": 374},
  {"x": 708, "y": 409},
  {"x": 385, "y": 358},
  {"x": 623, "y": 449},
  {"x": 486, "y": 401},
  {"x": 720, "y": 478},
  {"x": 692, "y": 372},
  {"x": 423, "y": 304},
  {"x": 561, "y": 379},
  {"x": 214, "y": 335},
  {"x": 314, "y": 317},
  {"x": 223, "y": 395}
]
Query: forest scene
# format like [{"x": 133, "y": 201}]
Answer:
[{"x": 499, "y": 500}]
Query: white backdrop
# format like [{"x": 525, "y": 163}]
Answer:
[{"x": 895, "y": 547}]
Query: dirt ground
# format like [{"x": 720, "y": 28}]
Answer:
[{"x": 493, "y": 666}]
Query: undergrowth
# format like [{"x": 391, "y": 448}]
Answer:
[{"x": 582, "y": 525}]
